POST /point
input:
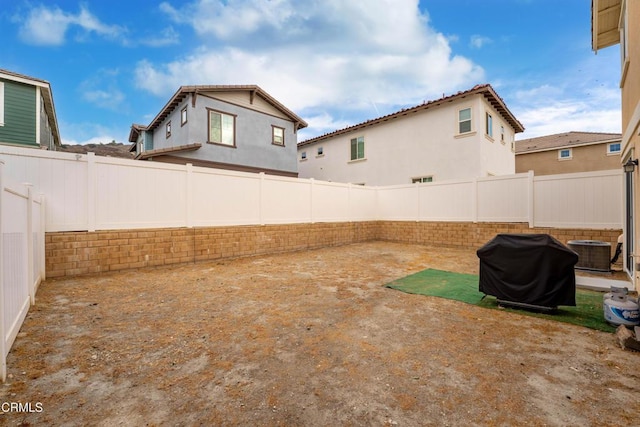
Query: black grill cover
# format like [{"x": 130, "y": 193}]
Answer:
[{"x": 533, "y": 269}]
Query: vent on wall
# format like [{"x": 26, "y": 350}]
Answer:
[{"x": 593, "y": 255}]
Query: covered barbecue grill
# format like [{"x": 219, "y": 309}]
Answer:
[{"x": 531, "y": 270}]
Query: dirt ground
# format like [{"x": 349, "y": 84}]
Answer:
[{"x": 305, "y": 339}]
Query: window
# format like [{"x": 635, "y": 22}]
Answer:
[
  {"x": 320, "y": 151},
  {"x": 1, "y": 103},
  {"x": 613, "y": 148},
  {"x": 277, "y": 135},
  {"x": 502, "y": 134},
  {"x": 422, "y": 179},
  {"x": 183, "y": 116},
  {"x": 168, "y": 129},
  {"x": 464, "y": 120},
  {"x": 489, "y": 123},
  {"x": 303, "y": 155},
  {"x": 222, "y": 128},
  {"x": 357, "y": 148},
  {"x": 564, "y": 154}
]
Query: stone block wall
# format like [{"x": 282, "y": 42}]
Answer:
[{"x": 76, "y": 253}]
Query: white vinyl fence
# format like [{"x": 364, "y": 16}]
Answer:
[
  {"x": 88, "y": 192},
  {"x": 22, "y": 265}
]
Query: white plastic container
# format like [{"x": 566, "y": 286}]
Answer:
[{"x": 621, "y": 309}]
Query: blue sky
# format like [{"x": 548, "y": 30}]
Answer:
[{"x": 333, "y": 62}]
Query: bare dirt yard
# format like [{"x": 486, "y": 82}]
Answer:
[{"x": 305, "y": 339}]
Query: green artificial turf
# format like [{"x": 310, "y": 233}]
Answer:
[{"x": 464, "y": 287}]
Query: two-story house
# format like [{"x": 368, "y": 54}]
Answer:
[
  {"x": 569, "y": 152},
  {"x": 618, "y": 22},
  {"x": 467, "y": 135},
  {"x": 27, "y": 113},
  {"x": 236, "y": 127}
]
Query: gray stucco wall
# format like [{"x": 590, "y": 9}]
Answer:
[{"x": 253, "y": 136}]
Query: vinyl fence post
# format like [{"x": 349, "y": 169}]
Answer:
[
  {"x": 189, "y": 201},
  {"x": 474, "y": 195},
  {"x": 92, "y": 180},
  {"x": 261, "y": 199},
  {"x": 30, "y": 277},
  {"x": 43, "y": 234},
  {"x": 531, "y": 199},
  {"x": 3, "y": 333},
  {"x": 311, "y": 185}
]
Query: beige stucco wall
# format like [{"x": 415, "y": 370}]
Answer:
[
  {"x": 584, "y": 159},
  {"x": 423, "y": 143}
]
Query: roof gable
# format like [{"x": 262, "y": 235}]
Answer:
[
  {"x": 253, "y": 92},
  {"x": 485, "y": 90}
]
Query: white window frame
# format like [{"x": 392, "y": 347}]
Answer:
[
  {"x": 275, "y": 138},
  {"x": 421, "y": 179},
  {"x": 303, "y": 155},
  {"x": 183, "y": 116},
  {"x": 488, "y": 120},
  {"x": 561, "y": 157},
  {"x": 623, "y": 26},
  {"x": 610, "y": 152},
  {"x": 320, "y": 152},
  {"x": 358, "y": 140},
  {"x": 502, "y": 134},
  {"x": 167, "y": 130},
  {"x": 1, "y": 103},
  {"x": 470, "y": 120}
]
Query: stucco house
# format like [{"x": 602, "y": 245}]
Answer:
[
  {"x": 618, "y": 22},
  {"x": 236, "y": 127},
  {"x": 27, "y": 113},
  {"x": 467, "y": 135},
  {"x": 569, "y": 152}
]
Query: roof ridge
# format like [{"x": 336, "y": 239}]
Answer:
[{"x": 475, "y": 89}]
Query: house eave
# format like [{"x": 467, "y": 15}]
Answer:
[
  {"x": 605, "y": 17},
  {"x": 485, "y": 90},
  {"x": 184, "y": 91}
]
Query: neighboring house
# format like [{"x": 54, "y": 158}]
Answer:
[
  {"x": 569, "y": 152},
  {"x": 27, "y": 114},
  {"x": 466, "y": 135},
  {"x": 618, "y": 22},
  {"x": 226, "y": 127}
]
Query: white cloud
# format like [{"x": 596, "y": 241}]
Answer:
[
  {"x": 320, "y": 124},
  {"x": 49, "y": 25},
  {"x": 102, "y": 90},
  {"x": 328, "y": 55},
  {"x": 549, "y": 109},
  {"x": 166, "y": 37},
  {"x": 478, "y": 42},
  {"x": 82, "y": 133}
]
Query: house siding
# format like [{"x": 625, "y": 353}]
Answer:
[
  {"x": 584, "y": 159},
  {"x": 418, "y": 144},
  {"x": 19, "y": 114},
  {"x": 253, "y": 136}
]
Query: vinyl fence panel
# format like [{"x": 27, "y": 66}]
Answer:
[{"x": 587, "y": 200}]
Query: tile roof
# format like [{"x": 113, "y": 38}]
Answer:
[
  {"x": 484, "y": 89},
  {"x": 566, "y": 139}
]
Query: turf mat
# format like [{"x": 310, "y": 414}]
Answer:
[{"x": 464, "y": 287}]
